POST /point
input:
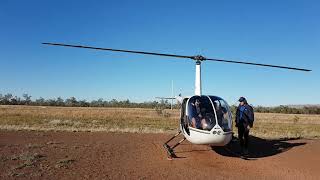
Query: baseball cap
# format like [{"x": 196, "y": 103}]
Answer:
[{"x": 241, "y": 99}]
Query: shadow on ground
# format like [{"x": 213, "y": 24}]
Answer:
[{"x": 258, "y": 147}]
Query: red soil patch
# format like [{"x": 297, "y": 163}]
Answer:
[{"x": 84, "y": 155}]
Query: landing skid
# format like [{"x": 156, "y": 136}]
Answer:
[{"x": 169, "y": 149}]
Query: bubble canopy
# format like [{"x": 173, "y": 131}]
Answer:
[{"x": 206, "y": 112}]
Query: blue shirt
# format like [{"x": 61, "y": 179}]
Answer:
[{"x": 242, "y": 109}]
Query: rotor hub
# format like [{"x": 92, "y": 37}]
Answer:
[{"x": 199, "y": 58}]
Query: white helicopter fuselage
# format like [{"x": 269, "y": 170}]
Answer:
[
  {"x": 218, "y": 133},
  {"x": 215, "y": 137}
]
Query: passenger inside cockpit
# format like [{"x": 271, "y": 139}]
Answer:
[
  {"x": 196, "y": 114},
  {"x": 221, "y": 115},
  {"x": 201, "y": 115}
]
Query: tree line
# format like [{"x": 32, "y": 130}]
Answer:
[
  {"x": 289, "y": 110},
  {"x": 284, "y": 109},
  {"x": 9, "y": 99}
]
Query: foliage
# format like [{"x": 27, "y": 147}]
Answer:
[
  {"x": 289, "y": 110},
  {"x": 9, "y": 99}
]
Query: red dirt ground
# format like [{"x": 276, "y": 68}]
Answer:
[{"x": 100, "y": 155}]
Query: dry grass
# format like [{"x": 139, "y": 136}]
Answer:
[
  {"x": 29, "y": 160},
  {"x": 87, "y": 119},
  {"x": 64, "y": 163},
  {"x": 141, "y": 120},
  {"x": 286, "y": 125}
]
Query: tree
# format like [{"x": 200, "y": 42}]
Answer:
[
  {"x": 15, "y": 100},
  {"x": 83, "y": 103},
  {"x": 1, "y": 99},
  {"x": 113, "y": 103},
  {"x": 7, "y": 98},
  {"x": 60, "y": 102},
  {"x": 72, "y": 101},
  {"x": 97, "y": 103},
  {"x": 51, "y": 102},
  {"x": 40, "y": 102},
  {"x": 27, "y": 99}
]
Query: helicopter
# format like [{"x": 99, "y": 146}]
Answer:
[{"x": 204, "y": 119}]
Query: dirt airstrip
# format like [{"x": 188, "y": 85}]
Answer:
[{"x": 101, "y": 155}]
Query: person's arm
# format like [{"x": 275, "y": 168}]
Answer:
[{"x": 251, "y": 117}]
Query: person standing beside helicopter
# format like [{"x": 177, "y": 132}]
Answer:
[{"x": 244, "y": 121}]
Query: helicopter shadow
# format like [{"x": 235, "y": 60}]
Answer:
[{"x": 258, "y": 147}]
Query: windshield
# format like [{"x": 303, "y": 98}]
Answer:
[
  {"x": 201, "y": 113},
  {"x": 223, "y": 112}
]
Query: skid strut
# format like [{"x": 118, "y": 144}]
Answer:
[{"x": 169, "y": 149}]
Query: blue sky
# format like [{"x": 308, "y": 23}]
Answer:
[{"x": 273, "y": 32}]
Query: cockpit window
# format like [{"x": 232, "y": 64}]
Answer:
[
  {"x": 224, "y": 116},
  {"x": 201, "y": 113}
]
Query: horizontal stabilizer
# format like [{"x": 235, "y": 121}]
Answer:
[{"x": 166, "y": 97}]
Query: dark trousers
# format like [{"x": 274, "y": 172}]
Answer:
[{"x": 243, "y": 134}]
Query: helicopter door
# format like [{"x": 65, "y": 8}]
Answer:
[
  {"x": 200, "y": 113},
  {"x": 224, "y": 115},
  {"x": 183, "y": 117}
]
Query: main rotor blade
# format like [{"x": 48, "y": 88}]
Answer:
[
  {"x": 118, "y": 50},
  {"x": 258, "y": 64},
  {"x": 200, "y": 58}
]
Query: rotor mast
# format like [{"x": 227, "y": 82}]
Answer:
[
  {"x": 198, "y": 88},
  {"x": 198, "y": 84}
]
